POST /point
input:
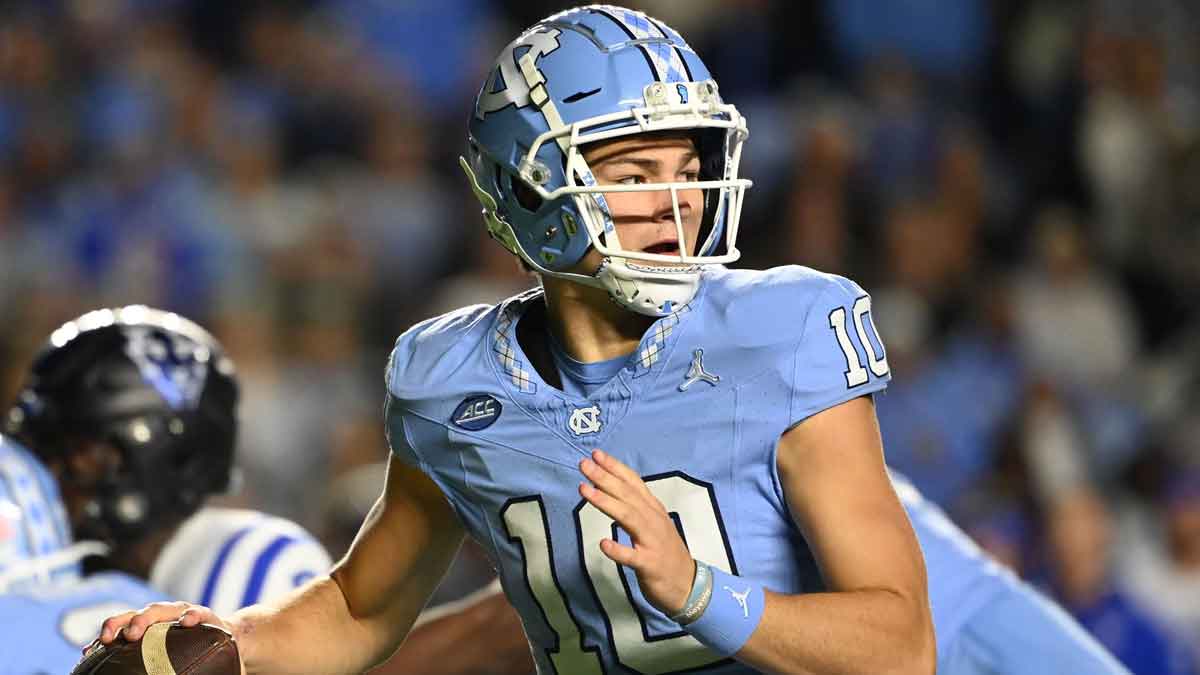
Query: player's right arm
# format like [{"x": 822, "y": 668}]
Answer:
[{"x": 368, "y": 602}]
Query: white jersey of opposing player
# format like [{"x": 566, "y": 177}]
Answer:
[{"x": 227, "y": 559}]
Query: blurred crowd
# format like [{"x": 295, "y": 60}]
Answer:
[{"x": 1016, "y": 182}]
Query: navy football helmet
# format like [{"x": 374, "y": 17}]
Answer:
[
  {"x": 592, "y": 74},
  {"x": 154, "y": 387}
]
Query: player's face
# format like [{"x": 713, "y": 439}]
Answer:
[
  {"x": 85, "y": 464},
  {"x": 645, "y": 221}
]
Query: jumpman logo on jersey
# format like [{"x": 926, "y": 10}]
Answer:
[
  {"x": 741, "y": 600},
  {"x": 696, "y": 372}
]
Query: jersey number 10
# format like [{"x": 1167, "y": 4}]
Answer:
[
  {"x": 690, "y": 500},
  {"x": 856, "y": 374}
]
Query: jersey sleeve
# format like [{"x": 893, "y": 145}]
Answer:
[
  {"x": 422, "y": 360},
  {"x": 394, "y": 429},
  {"x": 840, "y": 355}
]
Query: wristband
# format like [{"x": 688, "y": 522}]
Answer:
[
  {"x": 697, "y": 601},
  {"x": 734, "y": 610}
]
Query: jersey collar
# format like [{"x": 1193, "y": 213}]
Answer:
[{"x": 518, "y": 374}]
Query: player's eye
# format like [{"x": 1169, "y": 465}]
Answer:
[
  {"x": 691, "y": 176},
  {"x": 631, "y": 180}
]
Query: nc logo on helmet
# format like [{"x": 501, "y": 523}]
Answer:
[
  {"x": 476, "y": 413},
  {"x": 507, "y": 85}
]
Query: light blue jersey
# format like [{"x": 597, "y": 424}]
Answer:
[
  {"x": 697, "y": 411},
  {"x": 33, "y": 523},
  {"x": 48, "y": 625}
]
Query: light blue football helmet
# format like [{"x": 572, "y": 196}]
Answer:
[
  {"x": 590, "y": 74},
  {"x": 35, "y": 537}
]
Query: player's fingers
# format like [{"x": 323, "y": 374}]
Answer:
[
  {"x": 608, "y": 481},
  {"x": 157, "y": 612},
  {"x": 626, "y": 474},
  {"x": 623, "y": 513},
  {"x": 625, "y": 482},
  {"x": 619, "y": 553},
  {"x": 196, "y": 615},
  {"x": 616, "y": 466},
  {"x": 108, "y": 629}
]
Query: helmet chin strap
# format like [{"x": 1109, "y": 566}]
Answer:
[{"x": 650, "y": 291}]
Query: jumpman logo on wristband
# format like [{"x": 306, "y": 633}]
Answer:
[{"x": 741, "y": 600}]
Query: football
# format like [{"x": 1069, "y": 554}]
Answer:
[{"x": 166, "y": 649}]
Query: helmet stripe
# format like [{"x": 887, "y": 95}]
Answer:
[
  {"x": 629, "y": 31},
  {"x": 667, "y": 61},
  {"x": 677, "y": 59},
  {"x": 666, "y": 64}
]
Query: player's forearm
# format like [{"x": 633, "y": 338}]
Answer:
[
  {"x": 866, "y": 631},
  {"x": 311, "y": 630}
]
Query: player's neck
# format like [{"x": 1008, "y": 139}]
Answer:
[
  {"x": 137, "y": 558},
  {"x": 588, "y": 325}
]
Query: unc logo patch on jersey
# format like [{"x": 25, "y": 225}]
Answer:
[
  {"x": 476, "y": 413},
  {"x": 585, "y": 420}
]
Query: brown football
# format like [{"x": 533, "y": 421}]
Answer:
[{"x": 166, "y": 649}]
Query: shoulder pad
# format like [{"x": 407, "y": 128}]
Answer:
[
  {"x": 433, "y": 350},
  {"x": 812, "y": 329},
  {"x": 769, "y": 307}
]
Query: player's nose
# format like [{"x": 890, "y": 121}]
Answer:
[{"x": 664, "y": 205}]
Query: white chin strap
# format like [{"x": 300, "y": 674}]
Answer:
[{"x": 648, "y": 290}]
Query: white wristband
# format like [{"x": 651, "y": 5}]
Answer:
[{"x": 698, "y": 599}]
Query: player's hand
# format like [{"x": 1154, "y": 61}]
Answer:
[
  {"x": 661, "y": 560},
  {"x": 132, "y": 625}
]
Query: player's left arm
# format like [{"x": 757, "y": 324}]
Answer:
[{"x": 875, "y": 617}]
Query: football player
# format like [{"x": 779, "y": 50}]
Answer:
[
  {"x": 740, "y": 517},
  {"x": 134, "y": 410},
  {"x": 47, "y": 609}
]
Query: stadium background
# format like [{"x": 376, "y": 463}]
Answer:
[{"x": 1016, "y": 182}]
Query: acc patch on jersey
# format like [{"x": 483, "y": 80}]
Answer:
[{"x": 476, "y": 413}]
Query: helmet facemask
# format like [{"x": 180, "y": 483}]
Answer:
[
  {"x": 647, "y": 283},
  {"x": 137, "y": 409}
]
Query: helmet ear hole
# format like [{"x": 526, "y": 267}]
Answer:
[{"x": 526, "y": 196}]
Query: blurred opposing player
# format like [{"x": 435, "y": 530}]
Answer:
[
  {"x": 740, "y": 519},
  {"x": 135, "y": 412},
  {"x": 47, "y": 609}
]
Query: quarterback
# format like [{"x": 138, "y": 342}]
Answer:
[{"x": 675, "y": 466}]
